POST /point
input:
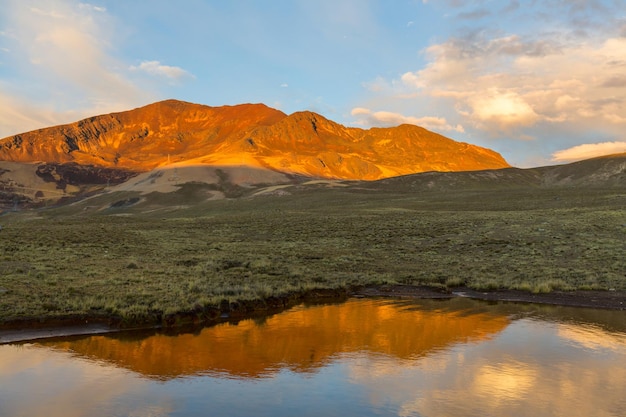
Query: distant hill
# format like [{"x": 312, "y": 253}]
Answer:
[
  {"x": 606, "y": 171},
  {"x": 252, "y": 135}
]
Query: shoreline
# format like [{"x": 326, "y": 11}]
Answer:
[
  {"x": 600, "y": 299},
  {"x": 31, "y": 329}
]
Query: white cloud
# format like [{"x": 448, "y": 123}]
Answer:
[
  {"x": 504, "y": 109},
  {"x": 539, "y": 79},
  {"x": 386, "y": 118},
  {"x": 158, "y": 69},
  {"x": 18, "y": 116},
  {"x": 47, "y": 13},
  {"x": 92, "y": 7},
  {"x": 588, "y": 150},
  {"x": 506, "y": 83},
  {"x": 357, "y": 111},
  {"x": 62, "y": 53}
]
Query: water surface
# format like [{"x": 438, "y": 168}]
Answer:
[{"x": 360, "y": 358}]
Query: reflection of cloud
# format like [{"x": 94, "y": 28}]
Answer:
[
  {"x": 589, "y": 150},
  {"x": 151, "y": 411},
  {"x": 385, "y": 118},
  {"x": 503, "y": 382},
  {"x": 529, "y": 369},
  {"x": 66, "y": 386},
  {"x": 592, "y": 338},
  {"x": 13, "y": 361}
]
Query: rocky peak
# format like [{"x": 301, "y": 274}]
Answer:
[{"x": 303, "y": 142}]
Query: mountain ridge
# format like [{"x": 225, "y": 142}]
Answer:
[{"x": 303, "y": 143}]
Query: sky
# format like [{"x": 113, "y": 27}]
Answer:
[{"x": 539, "y": 81}]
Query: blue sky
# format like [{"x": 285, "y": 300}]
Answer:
[{"x": 541, "y": 82}]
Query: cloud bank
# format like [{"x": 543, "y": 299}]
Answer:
[
  {"x": 539, "y": 78},
  {"x": 62, "y": 49},
  {"x": 62, "y": 54},
  {"x": 501, "y": 84},
  {"x": 588, "y": 150}
]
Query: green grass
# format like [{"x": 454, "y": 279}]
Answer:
[{"x": 139, "y": 265}]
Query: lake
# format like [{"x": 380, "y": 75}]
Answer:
[{"x": 364, "y": 357}]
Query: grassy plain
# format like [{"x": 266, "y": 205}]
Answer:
[{"x": 146, "y": 260}]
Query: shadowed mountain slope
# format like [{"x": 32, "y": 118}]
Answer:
[
  {"x": 606, "y": 171},
  {"x": 249, "y": 134},
  {"x": 609, "y": 170}
]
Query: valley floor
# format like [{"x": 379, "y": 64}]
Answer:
[{"x": 159, "y": 265}]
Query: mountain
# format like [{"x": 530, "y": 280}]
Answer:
[
  {"x": 251, "y": 135},
  {"x": 139, "y": 139}
]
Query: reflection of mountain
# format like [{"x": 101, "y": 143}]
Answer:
[{"x": 301, "y": 339}]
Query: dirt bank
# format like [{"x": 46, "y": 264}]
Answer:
[
  {"x": 32, "y": 328},
  {"x": 613, "y": 300}
]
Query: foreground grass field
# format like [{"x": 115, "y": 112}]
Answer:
[{"x": 149, "y": 260}]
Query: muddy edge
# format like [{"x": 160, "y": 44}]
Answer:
[{"x": 28, "y": 329}]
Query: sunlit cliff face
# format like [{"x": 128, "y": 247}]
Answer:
[
  {"x": 303, "y": 340},
  {"x": 248, "y": 134}
]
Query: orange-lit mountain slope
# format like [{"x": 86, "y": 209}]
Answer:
[{"x": 249, "y": 134}]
